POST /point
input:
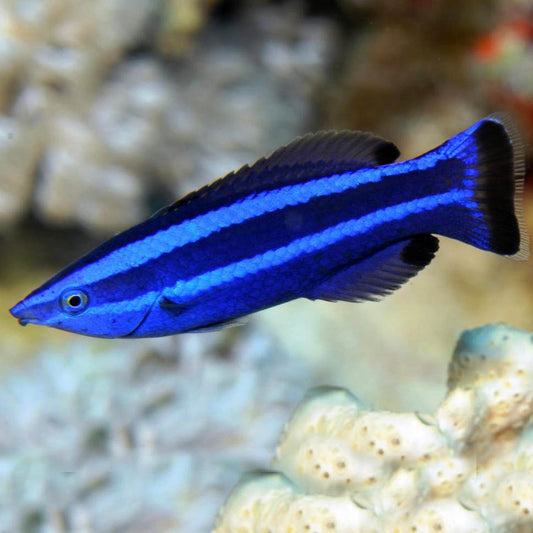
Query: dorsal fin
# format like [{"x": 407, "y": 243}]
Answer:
[
  {"x": 309, "y": 157},
  {"x": 381, "y": 273},
  {"x": 357, "y": 147}
]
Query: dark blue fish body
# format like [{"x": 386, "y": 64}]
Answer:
[{"x": 330, "y": 216}]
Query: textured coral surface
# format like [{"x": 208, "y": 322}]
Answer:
[{"x": 467, "y": 468}]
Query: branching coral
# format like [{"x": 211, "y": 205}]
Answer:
[{"x": 346, "y": 468}]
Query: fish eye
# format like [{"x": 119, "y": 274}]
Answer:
[{"x": 74, "y": 301}]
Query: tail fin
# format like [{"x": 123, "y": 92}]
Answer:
[{"x": 494, "y": 156}]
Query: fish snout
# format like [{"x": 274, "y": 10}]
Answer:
[{"x": 23, "y": 314}]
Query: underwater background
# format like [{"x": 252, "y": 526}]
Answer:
[{"x": 111, "y": 109}]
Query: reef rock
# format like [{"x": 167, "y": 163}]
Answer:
[
  {"x": 347, "y": 468},
  {"x": 110, "y": 127}
]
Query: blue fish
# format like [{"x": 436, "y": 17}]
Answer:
[{"x": 330, "y": 216}]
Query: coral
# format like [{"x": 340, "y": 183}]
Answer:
[
  {"x": 142, "y": 436},
  {"x": 467, "y": 468},
  {"x": 109, "y": 123},
  {"x": 55, "y": 57}
]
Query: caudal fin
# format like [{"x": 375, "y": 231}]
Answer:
[{"x": 493, "y": 154}]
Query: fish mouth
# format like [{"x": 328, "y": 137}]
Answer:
[{"x": 23, "y": 314}]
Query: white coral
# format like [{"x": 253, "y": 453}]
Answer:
[{"x": 468, "y": 468}]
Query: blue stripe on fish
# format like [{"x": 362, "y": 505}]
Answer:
[
  {"x": 308, "y": 158},
  {"x": 277, "y": 228},
  {"x": 311, "y": 243},
  {"x": 329, "y": 216},
  {"x": 190, "y": 231},
  {"x": 193, "y": 287},
  {"x": 146, "y": 248}
]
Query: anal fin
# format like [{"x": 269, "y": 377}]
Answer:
[
  {"x": 379, "y": 274},
  {"x": 173, "y": 306}
]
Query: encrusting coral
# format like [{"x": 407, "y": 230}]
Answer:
[{"x": 346, "y": 468}]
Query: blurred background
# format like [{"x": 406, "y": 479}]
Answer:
[{"x": 111, "y": 109}]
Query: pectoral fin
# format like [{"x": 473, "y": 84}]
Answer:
[
  {"x": 173, "y": 306},
  {"x": 380, "y": 274}
]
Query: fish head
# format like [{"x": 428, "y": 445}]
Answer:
[{"x": 73, "y": 300}]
